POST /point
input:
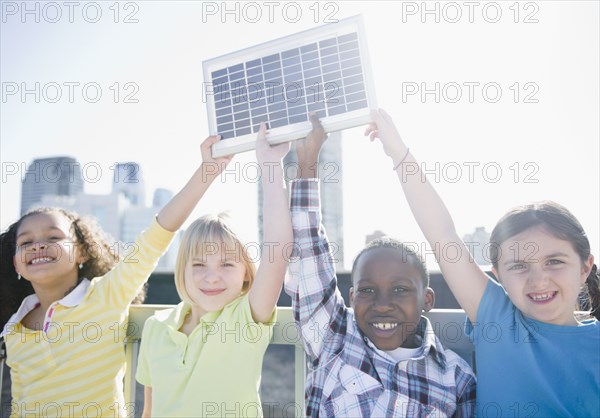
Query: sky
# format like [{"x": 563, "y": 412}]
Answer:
[{"x": 498, "y": 100}]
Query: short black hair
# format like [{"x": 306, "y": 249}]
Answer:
[{"x": 407, "y": 253}]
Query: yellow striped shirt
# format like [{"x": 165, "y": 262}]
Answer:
[{"x": 76, "y": 367}]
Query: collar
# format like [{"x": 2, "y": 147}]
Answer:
[
  {"x": 430, "y": 345},
  {"x": 174, "y": 317},
  {"x": 74, "y": 298}
]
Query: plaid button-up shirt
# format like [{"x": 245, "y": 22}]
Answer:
[{"x": 347, "y": 376}]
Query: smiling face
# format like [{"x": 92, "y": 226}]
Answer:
[
  {"x": 388, "y": 298},
  {"x": 542, "y": 275},
  {"x": 213, "y": 280},
  {"x": 46, "y": 253}
]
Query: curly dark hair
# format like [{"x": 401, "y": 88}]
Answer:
[{"x": 95, "y": 247}]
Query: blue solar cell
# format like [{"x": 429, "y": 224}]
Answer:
[
  {"x": 225, "y": 119},
  {"x": 253, "y": 63},
  {"x": 349, "y": 37},
  {"x": 272, "y": 66},
  {"x": 308, "y": 48},
  {"x": 299, "y": 118},
  {"x": 270, "y": 58},
  {"x": 348, "y": 47},
  {"x": 218, "y": 73},
  {"x": 327, "y": 42},
  {"x": 235, "y": 68},
  {"x": 244, "y": 131},
  {"x": 290, "y": 53},
  {"x": 253, "y": 71},
  {"x": 329, "y": 59},
  {"x": 310, "y": 56},
  {"x": 278, "y": 123}
]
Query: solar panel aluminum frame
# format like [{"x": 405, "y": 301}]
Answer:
[{"x": 293, "y": 131}]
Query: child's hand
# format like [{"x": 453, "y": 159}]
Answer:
[
  {"x": 308, "y": 149},
  {"x": 383, "y": 128},
  {"x": 217, "y": 165},
  {"x": 267, "y": 153}
]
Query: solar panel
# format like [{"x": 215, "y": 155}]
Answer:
[{"x": 324, "y": 70}]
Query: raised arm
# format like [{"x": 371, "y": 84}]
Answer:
[
  {"x": 464, "y": 277},
  {"x": 318, "y": 306},
  {"x": 174, "y": 214},
  {"x": 124, "y": 281},
  {"x": 277, "y": 228}
]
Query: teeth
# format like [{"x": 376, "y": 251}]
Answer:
[
  {"x": 545, "y": 296},
  {"x": 385, "y": 325},
  {"x": 41, "y": 260}
]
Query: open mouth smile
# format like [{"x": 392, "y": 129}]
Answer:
[
  {"x": 542, "y": 298},
  {"x": 385, "y": 326},
  {"x": 40, "y": 260}
]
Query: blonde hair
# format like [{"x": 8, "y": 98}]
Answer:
[{"x": 207, "y": 235}]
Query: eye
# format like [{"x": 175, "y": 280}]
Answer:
[
  {"x": 516, "y": 267},
  {"x": 198, "y": 264},
  {"x": 366, "y": 290},
  {"x": 228, "y": 265},
  {"x": 400, "y": 289},
  {"x": 555, "y": 262}
]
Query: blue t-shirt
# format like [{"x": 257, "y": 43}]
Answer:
[{"x": 527, "y": 368}]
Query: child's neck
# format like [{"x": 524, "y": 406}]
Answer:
[{"x": 48, "y": 295}]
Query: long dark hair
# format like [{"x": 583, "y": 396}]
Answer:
[{"x": 557, "y": 220}]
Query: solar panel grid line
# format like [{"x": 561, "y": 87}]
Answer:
[{"x": 282, "y": 81}]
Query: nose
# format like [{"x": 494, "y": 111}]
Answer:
[
  {"x": 39, "y": 245},
  {"x": 211, "y": 276},
  {"x": 538, "y": 277},
  {"x": 383, "y": 303}
]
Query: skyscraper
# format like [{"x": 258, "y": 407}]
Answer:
[
  {"x": 57, "y": 176},
  {"x": 128, "y": 180}
]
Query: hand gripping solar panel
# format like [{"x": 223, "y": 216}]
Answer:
[{"x": 324, "y": 70}]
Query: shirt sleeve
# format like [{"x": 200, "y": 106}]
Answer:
[
  {"x": 122, "y": 284},
  {"x": 494, "y": 307},
  {"x": 317, "y": 304}
]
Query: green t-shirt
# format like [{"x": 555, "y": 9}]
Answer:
[{"x": 215, "y": 371}]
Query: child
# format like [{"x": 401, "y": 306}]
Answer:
[
  {"x": 65, "y": 344},
  {"x": 534, "y": 358},
  {"x": 204, "y": 357},
  {"x": 380, "y": 358}
]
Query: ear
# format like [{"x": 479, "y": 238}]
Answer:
[
  {"x": 428, "y": 299},
  {"x": 351, "y": 295},
  {"x": 586, "y": 268},
  {"x": 15, "y": 263}
]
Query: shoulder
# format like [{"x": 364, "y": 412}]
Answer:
[{"x": 163, "y": 317}]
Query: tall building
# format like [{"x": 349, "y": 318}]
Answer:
[
  {"x": 55, "y": 176},
  {"x": 128, "y": 180},
  {"x": 330, "y": 172}
]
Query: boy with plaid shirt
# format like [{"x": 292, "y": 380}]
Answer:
[{"x": 380, "y": 358}]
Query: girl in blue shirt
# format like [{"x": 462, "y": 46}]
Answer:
[{"x": 534, "y": 356}]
